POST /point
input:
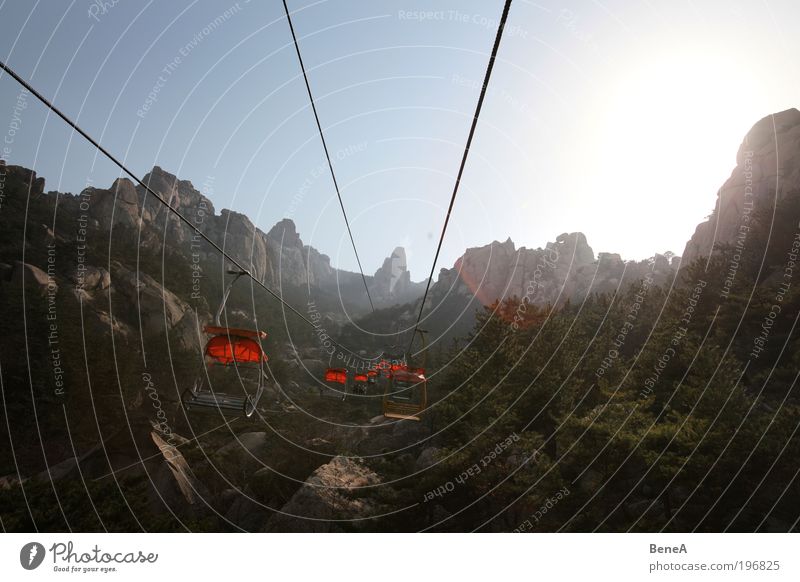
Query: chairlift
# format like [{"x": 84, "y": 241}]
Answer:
[
  {"x": 232, "y": 357},
  {"x": 406, "y": 394},
  {"x": 360, "y": 383},
  {"x": 336, "y": 375},
  {"x": 336, "y": 380}
]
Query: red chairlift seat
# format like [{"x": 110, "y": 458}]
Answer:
[
  {"x": 235, "y": 357},
  {"x": 360, "y": 384},
  {"x": 336, "y": 381},
  {"x": 336, "y": 375},
  {"x": 226, "y": 349},
  {"x": 229, "y": 348}
]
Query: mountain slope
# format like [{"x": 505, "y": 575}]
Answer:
[{"x": 565, "y": 270}]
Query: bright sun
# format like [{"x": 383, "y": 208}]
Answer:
[{"x": 666, "y": 135}]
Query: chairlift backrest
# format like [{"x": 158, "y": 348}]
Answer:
[
  {"x": 227, "y": 349},
  {"x": 337, "y": 375}
]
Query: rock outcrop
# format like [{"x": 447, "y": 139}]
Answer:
[
  {"x": 33, "y": 278},
  {"x": 767, "y": 167},
  {"x": 392, "y": 283},
  {"x": 330, "y": 493},
  {"x": 279, "y": 257},
  {"x": 179, "y": 471},
  {"x": 294, "y": 263},
  {"x": 20, "y": 180},
  {"x": 564, "y": 270}
]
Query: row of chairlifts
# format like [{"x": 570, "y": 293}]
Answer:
[
  {"x": 338, "y": 380},
  {"x": 236, "y": 357},
  {"x": 405, "y": 393},
  {"x": 232, "y": 358}
]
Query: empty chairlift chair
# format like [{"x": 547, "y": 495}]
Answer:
[
  {"x": 233, "y": 377},
  {"x": 360, "y": 383},
  {"x": 336, "y": 381},
  {"x": 406, "y": 394}
]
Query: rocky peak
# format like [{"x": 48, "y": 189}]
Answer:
[
  {"x": 181, "y": 194},
  {"x": 398, "y": 269},
  {"x": 285, "y": 232},
  {"x": 767, "y": 161},
  {"x": 575, "y": 244},
  {"x": 564, "y": 269},
  {"x": 762, "y": 135},
  {"x": 24, "y": 176},
  {"x": 392, "y": 282},
  {"x": 125, "y": 191},
  {"x": 236, "y": 223}
]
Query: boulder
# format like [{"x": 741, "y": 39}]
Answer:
[
  {"x": 91, "y": 278},
  {"x": 334, "y": 491},
  {"x": 33, "y": 278},
  {"x": 162, "y": 312},
  {"x": 427, "y": 458},
  {"x": 185, "y": 481}
]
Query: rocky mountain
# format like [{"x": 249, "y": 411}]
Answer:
[
  {"x": 297, "y": 264},
  {"x": 767, "y": 170},
  {"x": 278, "y": 258},
  {"x": 565, "y": 270},
  {"x": 114, "y": 291}
]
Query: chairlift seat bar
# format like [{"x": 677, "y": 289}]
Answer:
[{"x": 217, "y": 402}]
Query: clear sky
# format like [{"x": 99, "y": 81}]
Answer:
[{"x": 619, "y": 119}]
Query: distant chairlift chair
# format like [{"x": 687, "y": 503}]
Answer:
[
  {"x": 406, "y": 394},
  {"x": 360, "y": 383},
  {"x": 232, "y": 358},
  {"x": 336, "y": 380}
]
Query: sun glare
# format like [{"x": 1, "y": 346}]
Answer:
[{"x": 666, "y": 138}]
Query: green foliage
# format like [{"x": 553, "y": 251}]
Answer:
[{"x": 681, "y": 429}]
